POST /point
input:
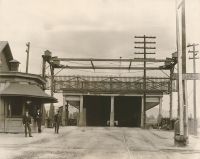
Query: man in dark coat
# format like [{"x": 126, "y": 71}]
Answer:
[
  {"x": 39, "y": 120},
  {"x": 27, "y": 122},
  {"x": 57, "y": 122}
]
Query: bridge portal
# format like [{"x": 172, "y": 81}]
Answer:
[
  {"x": 111, "y": 110},
  {"x": 97, "y": 110},
  {"x": 127, "y": 110}
]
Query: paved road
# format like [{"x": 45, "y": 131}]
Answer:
[{"x": 96, "y": 143}]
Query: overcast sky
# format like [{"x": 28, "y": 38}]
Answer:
[{"x": 92, "y": 28}]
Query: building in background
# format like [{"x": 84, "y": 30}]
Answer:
[{"x": 19, "y": 92}]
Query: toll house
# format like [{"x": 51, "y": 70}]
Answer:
[{"x": 18, "y": 92}]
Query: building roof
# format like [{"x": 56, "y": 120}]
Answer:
[
  {"x": 23, "y": 76},
  {"x": 5, "y": 46},
  {"x": 27, "y": 91},
  {"x": 14, "y": 61}
]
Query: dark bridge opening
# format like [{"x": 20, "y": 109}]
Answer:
[
  {"x": 128, "y": 111},
  {"x": 97, "y": 110}
]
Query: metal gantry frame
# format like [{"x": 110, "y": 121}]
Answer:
[{"x": 55, "y": 63}]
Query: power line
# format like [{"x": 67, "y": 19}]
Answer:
[
  {"x": 194, "y": 58},
  {"x": 144, "y": 47}
]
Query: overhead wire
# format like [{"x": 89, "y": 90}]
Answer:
[
  {"x": 149, "y": 63},
  {"x": 96, "y": 72}
]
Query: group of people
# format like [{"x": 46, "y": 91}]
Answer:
[{"x": 27, "y": 122}]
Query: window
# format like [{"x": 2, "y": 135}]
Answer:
[{"x": 15, "y": 107}]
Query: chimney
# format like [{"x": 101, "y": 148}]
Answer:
[{"x": 14, "y": 65}]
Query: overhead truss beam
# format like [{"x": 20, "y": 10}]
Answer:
[
  {"x": 110, "y": 67},
  {"x": 113, "y": 60}
]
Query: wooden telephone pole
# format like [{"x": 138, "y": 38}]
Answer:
[
  {"x": 27, "y": 58},
  {"x": 144, "y": 47},
  {"x": 194, "y": 54},
  {"x": 184, "y": 71},
  {"x": 182, "y": 137}
]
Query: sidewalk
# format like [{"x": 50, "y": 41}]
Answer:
[{"x": 194, "y": 141}]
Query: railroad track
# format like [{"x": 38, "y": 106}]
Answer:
[{"x": 126, "y": 145}]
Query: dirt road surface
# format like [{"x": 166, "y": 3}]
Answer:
[{"x": 97, "y": 143}]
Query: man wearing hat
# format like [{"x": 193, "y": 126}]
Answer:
[
  {"x": 27, "y": 124},
  {"x": 57, "y": 121}
]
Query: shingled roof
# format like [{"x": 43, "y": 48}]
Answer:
[
  {"x": 27, "y": 90},
  {"x": 5, "y": 48}
]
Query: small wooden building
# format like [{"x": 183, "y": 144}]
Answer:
[{"x": 18, "y": 92}]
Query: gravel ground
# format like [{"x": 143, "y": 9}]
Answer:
[{"x": 97, "y": 143}]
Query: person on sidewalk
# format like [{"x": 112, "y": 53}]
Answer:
[
  {"x": 27, "y": 124},
  {"x": 39, "y": 120},
  {"x": 57, "y": 122}
]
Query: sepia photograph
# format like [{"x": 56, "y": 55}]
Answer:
[{"x": 99, "y": 79}]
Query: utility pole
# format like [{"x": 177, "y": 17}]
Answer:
[
  {"x": 184, "y": 71},
  {"x": 182, "y": 137},
  {"x": 144, "y": 47},
  {"x": 194, "y": 53},
  {"x": 27, "y": 58}
]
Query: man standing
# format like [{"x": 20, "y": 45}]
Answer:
[
  {"x": 39, "y": 120},
  {"x": 27, "y": 122},
  {"x": 57, "y": 122}
]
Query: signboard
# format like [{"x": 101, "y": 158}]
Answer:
[
  {"x": 152, "y": 100},
  {"x": 188, "y": 76}
]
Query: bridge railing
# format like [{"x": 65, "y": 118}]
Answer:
[{"x": 87, "y": 84}]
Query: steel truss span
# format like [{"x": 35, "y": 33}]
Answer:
[{"x": 110, "y": 85}]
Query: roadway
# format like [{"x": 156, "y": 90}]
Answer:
[{"x": 97, "y": 143}]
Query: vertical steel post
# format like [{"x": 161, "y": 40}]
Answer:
[
  {"x": 142, "y": 112},
  {"x": 43, "y": 66},
  {"x": 112, "y": 113},
  {"x": 171, "y": 93},
  {"x": 81, "y": 122},
  {"x": 64, "y": 111},
  {"x": 52, "y": 80},
  {"x": 160, "y": 106},
  {"x": 51, "y": 111}
]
